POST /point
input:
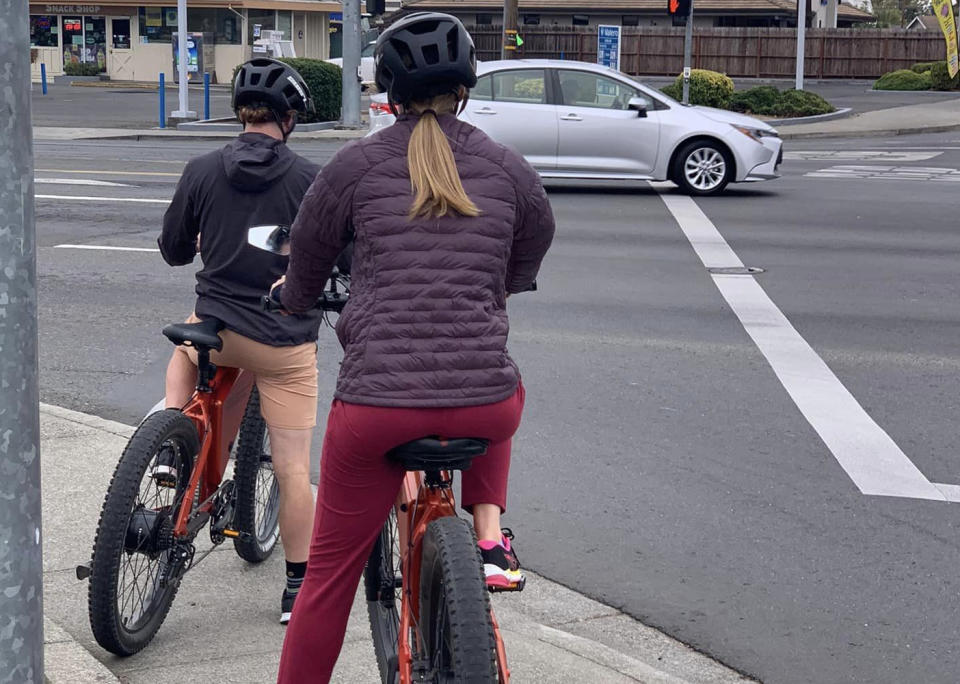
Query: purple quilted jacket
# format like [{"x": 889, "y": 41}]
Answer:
[{"x": 426, "y": 325}]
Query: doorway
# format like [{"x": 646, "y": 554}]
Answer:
[{"x": 119, "y": 50}]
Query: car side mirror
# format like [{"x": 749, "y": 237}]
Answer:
[
  {"x": 275, "y": 239},
  {"x": 639, "y": 105}
]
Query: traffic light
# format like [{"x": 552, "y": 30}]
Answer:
[{"x": 679, "y": 11}]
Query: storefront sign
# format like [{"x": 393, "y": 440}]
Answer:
[{"x": 72, "y": 9}]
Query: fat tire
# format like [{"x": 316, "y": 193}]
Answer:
[
  {"x": 680, "y": 178},
  {"x": 253, "y": 431},
  {"x": 383, "y": 610},
  {"x": 108, "y": 545},
  {"x": 452, "y": 568}
]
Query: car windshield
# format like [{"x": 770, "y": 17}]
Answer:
[{"x": 368, "y": 50}]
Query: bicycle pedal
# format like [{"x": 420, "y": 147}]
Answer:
[
  {"x": 84, "y": 571},
  {"x": 237, "y": 534}
]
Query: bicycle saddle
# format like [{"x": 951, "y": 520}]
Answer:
[
  {"x": 202, "y": 335},
  {"x": 437, "y": 453}
]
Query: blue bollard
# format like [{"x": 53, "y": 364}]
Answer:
[
  {"x": 562, "y": 55},
  {"x": 206, "y": 95},
  {"x": 43, "y": 77},
  {"x": 163, "y": 102}
]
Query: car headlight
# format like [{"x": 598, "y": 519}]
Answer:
[{"x": 757, "y": 134}]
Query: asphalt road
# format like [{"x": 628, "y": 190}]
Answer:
[{"x": 661, "y": 467}]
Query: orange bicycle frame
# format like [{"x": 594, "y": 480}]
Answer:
[
  {"x": 417, "y": 506},
  {"x": 217, "y": 415}
]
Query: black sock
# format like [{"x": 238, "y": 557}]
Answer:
[{"x": 295, "y": 573}]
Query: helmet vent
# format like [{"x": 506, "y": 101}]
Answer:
[
  {"x": 419, "y": 28},
  {"x": 404, "y": 53},
  {"x": 431, "y": 54},
  {"x": 272, "y": 77},
  {"x": 452, "y": 44}
]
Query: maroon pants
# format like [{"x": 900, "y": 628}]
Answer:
[{"x": 358, "y": 485}]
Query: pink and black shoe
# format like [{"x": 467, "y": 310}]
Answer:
[{"x": 500, "y": 564}]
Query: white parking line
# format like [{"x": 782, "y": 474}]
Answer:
[
  {"x": 864, "y": 450},
  {"x": 80, "y": 181},
  {"x": 108, "y": 248},
  {"x": 79, "y": 198}
]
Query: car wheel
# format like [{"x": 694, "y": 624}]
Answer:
[{"x": 703, "y": 168}]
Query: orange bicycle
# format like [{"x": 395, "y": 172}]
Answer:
[{"x": 427, "y": 598}]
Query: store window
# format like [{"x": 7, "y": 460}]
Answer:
[
  {"x": 157, "y": 24},
  {"x": 531, "y": 19},
  {"x": 285, "y": 24},
  {"x": 121, "y": 34},
  {"x": 631, "y": 20},
  {"x": 581, "y": 20},
  {"x": 484, "y": 19},
  {"x": 43, "y": 31},
  {"x": 259, "y": 20},
  {"x": 222, "y": 23}
]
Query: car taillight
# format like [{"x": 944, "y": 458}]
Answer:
[{"x": 380, "y": 108}]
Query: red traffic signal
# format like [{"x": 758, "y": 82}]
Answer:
[{"x": 678, "y": 8}]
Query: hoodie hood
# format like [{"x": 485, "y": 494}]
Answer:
[{"x": 254, "y": 161}]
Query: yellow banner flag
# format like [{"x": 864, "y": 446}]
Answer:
[{"x": 944, "y": 11}]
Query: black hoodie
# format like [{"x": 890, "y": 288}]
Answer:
[{"x": 255, "y": 180}]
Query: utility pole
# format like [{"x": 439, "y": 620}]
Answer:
[
  {"x": 511, "y": 19},
  {"x": 21, "y": 562},
  {"x": 801, "y": 40},
  {"x": 350, "y": 102},
  {"x": 183, "y": 57},
  {"x": 688, "y": 55}
]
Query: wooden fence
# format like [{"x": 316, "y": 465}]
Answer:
[{"x": 746, "y": 52}]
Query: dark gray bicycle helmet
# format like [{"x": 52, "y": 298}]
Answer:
[
  {"x": 424, "y": 54},
  {"x": 273, "y": 84}
]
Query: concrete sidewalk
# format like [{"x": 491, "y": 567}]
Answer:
[
  {"x": 63, "y": 133},
  {"x": 932, "y": 117},
  {"x": 223, "y": 625}
]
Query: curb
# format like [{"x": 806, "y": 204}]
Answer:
[
  {"x": 141, "y": 85},
  {"x": 67, "y": 662},
  {"x": 878, "y": 133},
  {"x": 843, "y": 113}
]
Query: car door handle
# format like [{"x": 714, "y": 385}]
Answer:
[
  {"x": 571, "y": 117},
  {"x": 485, "y": 110}
]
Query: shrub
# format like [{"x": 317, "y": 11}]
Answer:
[
  {"x": 325, "y": 83},
  {"x": 529, "y": 87},
  {"x": 922, "y": 67},
  {"x": 904, "y": 79},
  {"x": 673, "y": 90},
  {"x": 940, "y": 77},
  {"x": 707, "y": 88},
  {"x": 81, "y": 69},
  {"x": 758, "y": 100},
  {"x": 802, "y": 103}
]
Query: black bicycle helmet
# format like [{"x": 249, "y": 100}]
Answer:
[
  {"x": 267, "y": 82},
  {"x": 424, "y": 54}
]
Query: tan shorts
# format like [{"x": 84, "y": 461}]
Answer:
[{"x": 286, "y": 376}]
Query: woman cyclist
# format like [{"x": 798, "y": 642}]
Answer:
[
  {"x": 254, "y": 180},
  {"x": 446, "y": 225}
]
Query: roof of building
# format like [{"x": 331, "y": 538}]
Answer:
[
  {"x": 633, "y": 6},
  {"x": 926, "y": 22}
]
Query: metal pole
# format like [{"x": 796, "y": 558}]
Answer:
[
  {"x": 21, "y": 562},
  {"x": 163, "y": 101},
  {"x": 688, "y": 56},
  {"x": 206, "y": 95},
  {"x": 350, "y": 106},
  {"x": 43, "y": 78},
  {"x": 801, "y": 40},
  {"x": 511, "y": 18},
  {"x": 183, "y": 55}
]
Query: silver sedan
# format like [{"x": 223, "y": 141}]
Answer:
[{"x": 574, "y": 120}]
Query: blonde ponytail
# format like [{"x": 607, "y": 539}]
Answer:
[{"x": 433, "y": 171}]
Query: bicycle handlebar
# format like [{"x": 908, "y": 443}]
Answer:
[{"x": 331, "y": 299}]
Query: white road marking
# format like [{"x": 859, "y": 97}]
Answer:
[
  {"x": 109, "y": 248},
  {"x": 80, "y": 181},
  {"x": 83, "y": 198},
  {"x": 921, "y": 173},
  {"x": 103, "y": 172},
  {"x": 864, "y": 450},
  {"x": 859, "y": 155}
]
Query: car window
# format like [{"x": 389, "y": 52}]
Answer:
[
  {"x": 483, "y": 90},
  {"x": 368, "y": 50},
  {"x": 585, "y": 89},
  {"x": 520, "y": 85}
]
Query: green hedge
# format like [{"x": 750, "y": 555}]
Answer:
[
  {"x": 707, "y": 88},
  {"x": 922, "y": 67},
  {"x": 940, "y": 78},
  {"x": 325, "y": 83},
  {"x": 81, "y": 69},
  {"x": 768, "y": 101},
  {"x": 904, "y": 79}
]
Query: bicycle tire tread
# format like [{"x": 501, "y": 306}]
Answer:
[
  {"x": 111, "y": 531},
  {"x": 249, "y": 443}
]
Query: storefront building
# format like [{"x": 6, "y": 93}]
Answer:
[{"x": 133, "y": 42}]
